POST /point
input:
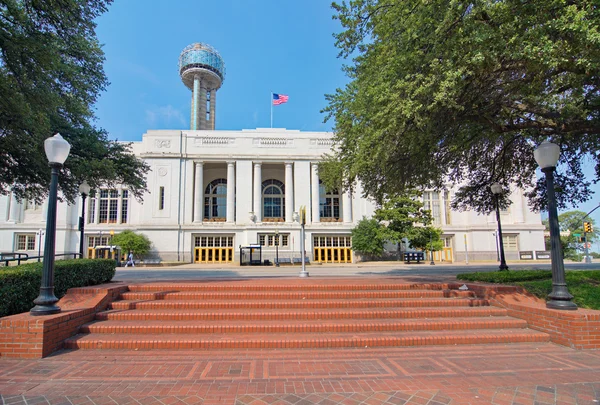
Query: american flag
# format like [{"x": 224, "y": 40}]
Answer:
[{"x": 280, "y": 99}]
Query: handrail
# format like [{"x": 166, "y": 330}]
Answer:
[{"x": 27, "y": 257}]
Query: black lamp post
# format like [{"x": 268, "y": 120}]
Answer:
[
  {"x": 431, "y": 246},
  {"x": 57, "y": 151},
  {"x": 497, "y": 190},
  {"x": 546, "y": 155},
  {"x": 84, "y": 189},
  {"x": 276, "y": 247}
]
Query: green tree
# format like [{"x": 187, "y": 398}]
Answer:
[
  {"x": 399, "y": 215},
  {"x": 571, "y": 222},
  {"x": 51, "y": 73},
  {"x": 461, "y": 91},
  {"x": 426, "y": 238},
  {"x": 130, "y": 241},
  {"x": 367, "y": 238}
]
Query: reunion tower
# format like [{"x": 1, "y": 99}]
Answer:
[{"x": 202, "y": 70}]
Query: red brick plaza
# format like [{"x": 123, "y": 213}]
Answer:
[{"x": 368, "y": 340}]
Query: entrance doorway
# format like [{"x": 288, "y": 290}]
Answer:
[{"x": 213, "y": 249}]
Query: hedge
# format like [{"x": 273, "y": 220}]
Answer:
[{"x": 20, "y": 285}]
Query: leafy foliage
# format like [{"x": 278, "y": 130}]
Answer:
[
  {"x": 50, "y": 76},
  {"x": 395, "y": 221},
  {"x": 461, "y": 92},
  {"x": 572, "y": 221},
  {"x": 130, "y": 241},
  {"x": 367, "y": 237},
  {"x": 583, "y": 285},
  {"x": 20, "y": 285}
]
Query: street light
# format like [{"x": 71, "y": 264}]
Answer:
[
  {"x": 546, "y": 155},
  {"x": 57, "y": 151},
  {"x": 84, "y": 189},
  {"x": 276, "y": 247},
  {"x": 431, "y": 246},
  {"x": 497, "y": 190}
]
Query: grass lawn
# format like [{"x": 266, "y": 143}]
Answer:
[{"x": 583, "y": 285}]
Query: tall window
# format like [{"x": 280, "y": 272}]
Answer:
[
  {"x": 431, "y": 202},
  {"x": 124, "y": 206},
  {"x": 91, "y": 212},
  {"x": 26, "y": 242},
  {"x": 108, "y": 206},
  {"x": 447, "y": 207},
  {"x": 215, "y": 199},
  {"x": 329, "y": 203},
  {"x": 273, "y": 199}
]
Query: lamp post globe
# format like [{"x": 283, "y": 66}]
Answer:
[
  {"x": 546, "y": 155},
  {"x": 84, "y": 190},
  {"x": 497, "y": 190},
  {"x": 57, "y": 150}
]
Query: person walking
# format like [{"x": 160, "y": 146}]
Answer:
[{"x": 130, "y": 260}]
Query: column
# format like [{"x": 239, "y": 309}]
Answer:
[
  {"x": 314, "y": 173},
  {"x": 120, "y": 207},
  {"x": 199, "y": 192},
  {"x": 289, "y": 192},
  {"x": 13, "y": 213},
  {"x": 230, "y": 191},
  {"x": 257, "y": 206},
  {"x": 347, "y": 206},
  {"x": 202, "y": 108},
  {"x": 213, "y": 108},
  {"x": 196, "y": 99}
]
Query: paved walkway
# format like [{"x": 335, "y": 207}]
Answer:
[{"x": 530, "y": 373}]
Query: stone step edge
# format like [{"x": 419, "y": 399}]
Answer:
[
  {"x": 259, "y": 295},
  {"x": 430, "y": 312},
  {"x": 301, "y": 286},
  {"x": 410, "y": 325},
  {"x": 382, "y": 303},
  {"x": 294, "y": 341}
]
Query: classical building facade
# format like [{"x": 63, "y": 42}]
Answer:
[{"x": 211, "y": 193}]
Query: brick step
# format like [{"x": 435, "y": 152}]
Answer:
[
  {"x": 299, "y": 285},
  {"x": 304, "y": 326},
  {"x": 321, "y": 314},
  {"x": 271, "y": 295},
  {"x": 302, "y": 340},
  {"x": 337, "y": 303}
]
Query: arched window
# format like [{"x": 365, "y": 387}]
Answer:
[
  {"x": 273, "y": 192},
  {"x": 215, "y": 199},
  {"x": 329, "y": 203}
]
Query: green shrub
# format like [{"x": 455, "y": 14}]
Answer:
[{"x": 20, "y": 285}]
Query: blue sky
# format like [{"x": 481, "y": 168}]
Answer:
[{"x": 268, "y": 45}]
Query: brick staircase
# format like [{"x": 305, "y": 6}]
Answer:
[{"x": 298, "y": 314}]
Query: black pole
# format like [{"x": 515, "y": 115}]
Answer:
[
  {"x": 45, "y": 302},
  {"x": 503, "y": 266},
  {"x": 559, "y": 298},
  {"x": 82, "y": 225},
  {"x": 431, "y": 247}
]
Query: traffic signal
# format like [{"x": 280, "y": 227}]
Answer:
[{"x": 587, "y": 227}]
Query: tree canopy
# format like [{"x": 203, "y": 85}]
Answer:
[
  {"x": 366, "y": 237},
  {"x": 51, "y": 73},
  {"x": 461, "y": 92},
  {"x": 130, "y": 241}
]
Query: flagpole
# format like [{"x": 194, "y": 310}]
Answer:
[{"x": 271, "y": 101}]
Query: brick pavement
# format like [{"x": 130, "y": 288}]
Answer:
[{"x": 522, "y": 373}]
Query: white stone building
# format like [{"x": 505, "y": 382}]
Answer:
[
  {"x": 212, "y": 192},
  {"x": 192, "y": 214}
]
